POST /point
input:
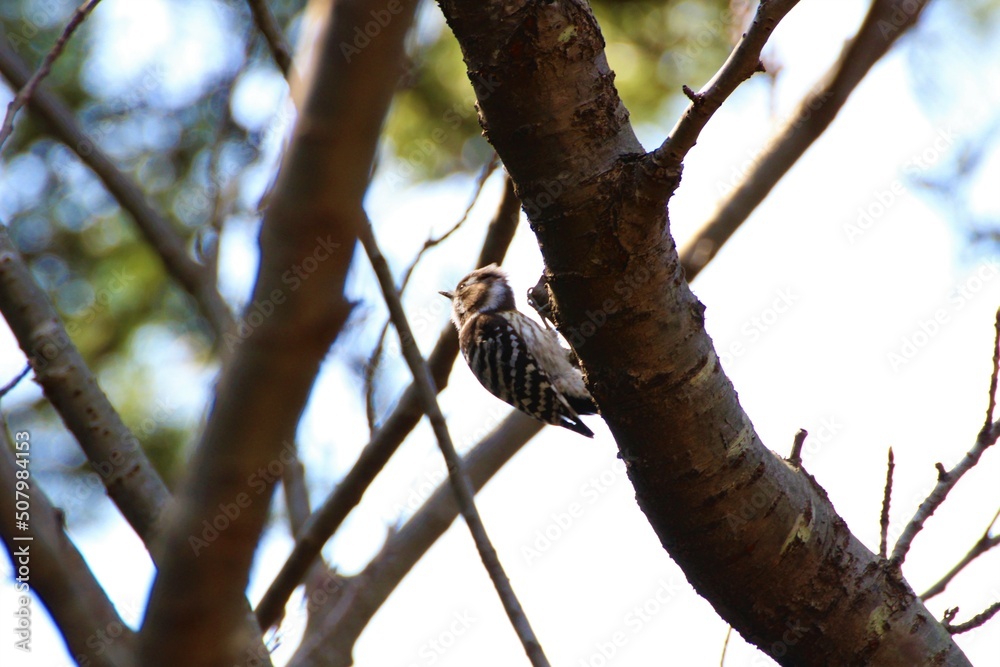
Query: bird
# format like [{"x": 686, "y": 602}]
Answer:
[{"x": 517, "y": 361}]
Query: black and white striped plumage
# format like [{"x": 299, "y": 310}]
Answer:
[{"x": 518, "y": 361}]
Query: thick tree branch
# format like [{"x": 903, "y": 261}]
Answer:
[
  {"x": 54, "y": 569},
  {"x": 886, "y": 21},
  {"x": 330, "y": 642},
  {"x": 327, "y": 518},
  {"x": 113, "y": 451},
  {"x": 197, "y": 280},
  {"x": 196, "y": 609},
  {"x": 734, "y": 516}
]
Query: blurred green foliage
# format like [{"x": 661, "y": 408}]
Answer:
[{"x": 653, "y": 47}]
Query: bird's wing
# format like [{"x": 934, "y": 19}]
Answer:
[{"x": 500, "y": 358}]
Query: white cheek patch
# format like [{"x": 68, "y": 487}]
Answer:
[
  {"x": 491, "y": 302},
  {"x": 457, "y": 313}
]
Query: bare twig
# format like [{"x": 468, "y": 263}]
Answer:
[
  {"x": 269, "y": 27},
  {"x": 992, "y": 404},
  {"x": 58, "y": 573},
  {"x": 795, "y": 458},
  {"x": 740, "y": 66},
  {"x": 459, "y": 480},
  {"x": 948, "y": 479},
  {"x": 197, "y": 280},
  {"x": 325, "y": 521},
  {"x": 974, "y": 622},
  {"x": 725, "y": 646},
  {"x": 884, "y": 518},
  {"x": 945, "y": 484},
  {"x": 984, "y": 544},
  {"x": 6, "y": 389},
  {"x": 221, "y": 196},
  {"x": 293, "y": 481},
  {"x": 28, "y": 88},
  {"x": 340, "y": 624},
  {"x": 886, "y": 21},
  {"x": 376, "y": 356},
  {"x": 114, "y": 452}
]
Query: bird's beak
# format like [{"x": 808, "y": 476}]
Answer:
[{"x": 447, "y": 295}]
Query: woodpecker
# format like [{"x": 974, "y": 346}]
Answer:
[{"x": 518, "y": 361}]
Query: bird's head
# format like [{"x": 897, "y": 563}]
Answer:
[{"x": 484, "y": 290}]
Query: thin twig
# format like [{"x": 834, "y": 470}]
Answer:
[
  {"x": 945, "y": 484},
  {"x": 171, "y": 248},
  {"x": 208, "y": 253},
  {"x": 742, "y": 63},
  {"x": 948, "y": 479},
  {"x": 884, "y": 518},
  {"x": 293, "y": 481},
  {"x": 376, "y": 356},
  {"x": 26, "y": 91},
  {"x": 328, "y": 517},
  {"x": 991, "y": 406},
  {"x": 815, "y": 113},
  {"x": 982, "y": 545},
  {"x": 725, "y": 646},
  {"x": 338, "y": 626},
  {"x": 459, "y": 480},
  {"x": 974, "y": 622},
  {"x": 269, "y": 27},
  {"x": 795, "y": 458},
  {"x": 6, "y": 389}
]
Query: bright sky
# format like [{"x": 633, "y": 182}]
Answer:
[{"x": 846, "y": 305}]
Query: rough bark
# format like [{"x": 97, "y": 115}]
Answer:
[{"x": 756, "y": 536}]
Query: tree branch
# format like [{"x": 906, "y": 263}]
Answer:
[
  {"x": 992, "y": 403},
  {"x": 733, "y": 515},
  {"x": 947, "y": 480},
  {"x": 271, "y": 31},
  {"x": 336, "y": 629},
  {"x": 325, "y": 521},
  {"x": 196, "y": 609},
  {"x": 195, "y": 279},
  {"x": 742, "y": 63},
  {"x": 297, "y": 502},
  {"x": 376, "y": 356},
  {"x": 460, "y": 484},
  {"x": 90, "y": 626},
  {"x": 975, "y": 621},
  {"x": 113, "y": 451},
  {"x": 795, "y": 457},
  {"x": 886, "y": 21},
  {"x": 984, "y": 544},
  {"x": 28, "y": 88},
  {"x": 883, "y": 542}
]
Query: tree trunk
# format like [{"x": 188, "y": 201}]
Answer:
[{"x": 755, "y": 535}]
